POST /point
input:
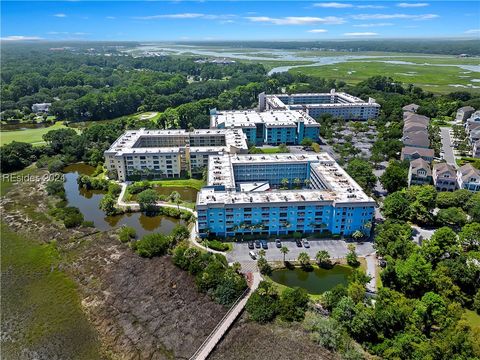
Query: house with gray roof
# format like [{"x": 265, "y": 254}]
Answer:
[
  {"x": 464, "y": 113},
  {"x": 468, "y": 178},
  {"x": 411, "y": 153},
  {"x": 419, "y": 173},
  {"x": 411, "y": 108},
  {"x": 416, "y": 139},
  {"x": 444, "y": 177}
]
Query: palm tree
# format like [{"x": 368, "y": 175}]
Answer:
[
  {"x": 175, "y": 197},
  {"x": 357, "y": 235},
  {"x": 284, "y": 183},
  {"x": 297, "y": 182},
  {"x": 306, "y": 182},
  {"x": 284, "y": 250},
  {"x": 322, "y": 257},
  {"x": 303, "y": 259},
  {"x": 261, "y": 253}
]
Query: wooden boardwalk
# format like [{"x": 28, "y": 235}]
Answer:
[{"x": 216, "y": 335}]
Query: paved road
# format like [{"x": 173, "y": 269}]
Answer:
[
  {"x": 217, "y": 334},
  {"x": 447, "y": 146},
  {"x": 371, "y": 260},
  {"x": 336, "y": 249}
]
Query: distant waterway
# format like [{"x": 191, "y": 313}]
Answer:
[{"x": 284, "y": 55}]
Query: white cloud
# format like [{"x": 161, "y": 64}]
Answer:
[
  {"x": 334, "y": 5},
  {"x": 371, "y": 6},
  {"x": 360, "y": 34},
  {"x": 412, "y": 5},
  {"x": 472, "y": 31},
  {"x": 20, "y": 38},
  {"x": 394, "y": 16},
  {"x": 317, "y": 31},
  {"x": 298, "y": 20},
  {"x": 60, "y": 15},
  {"x": 185, "y": 16},
  {"x": 373, "y": 25}
]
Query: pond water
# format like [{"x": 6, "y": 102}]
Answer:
[
  {"x": 186, "y": 193},
  {"x": 87, "y": 202},
  {"x": 316, "y": 281}
]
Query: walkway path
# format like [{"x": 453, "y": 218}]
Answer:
[
  {"x": 371, "y": 260},
  {"x": 136, "y": 207},
  {"x": 216, "y": 335}
]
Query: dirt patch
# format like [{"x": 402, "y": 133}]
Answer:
[
  {"x": 247, "y": 339},
  {"x": 141, "y": 308}
]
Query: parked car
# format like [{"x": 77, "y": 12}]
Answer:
[
  {"x": 251, "y": 245},
  {"x": 252, "y": 255},
  {"x": 258, "y": 245},
  {"x": 264, "y": 244},
  {"x": 305, "y": 243},
  {"x": 278, "y": 243},
  {"x": 299, "y": 242}
]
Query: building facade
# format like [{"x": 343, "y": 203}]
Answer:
[
  {"x": 273, "y": 127},
  {"x": 445, "y": 177},
  {"x": 298, "y": 193},
  {"x": 169, "y": 153},
  {"x": 337, "y": 104},
  {"x": 419, "y": 173}
]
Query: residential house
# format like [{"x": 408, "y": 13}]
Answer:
[
  {"x": 415, "y": 118},
  {"x": 413, "y": 108},
  {"x": 468, "y": 178},
  {"x": 464, "y": 113},
  {"x": 411, "y": 153},
  {"x": 444, "y": 177},
  {"x": 476, "y": 149},
  {"x": 419, "y": 173},
  {"x": 416, "y": 139},
  {"x": 41, "y": 107}
]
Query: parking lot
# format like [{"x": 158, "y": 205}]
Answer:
[{"x": 336, "y": 249}]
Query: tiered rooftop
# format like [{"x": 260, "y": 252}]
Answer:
[
  {"x": 340, "y": 186},
  {"x": 131, "y": 142}
]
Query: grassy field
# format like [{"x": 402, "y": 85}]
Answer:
[
  {"x": 434, "y": 79},
  {"x": 32, "y": 136},
  {"x": 41, "y": 311},
  {"x": 193, "y": 183}
]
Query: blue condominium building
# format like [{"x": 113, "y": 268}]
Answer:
[
  {"x": 272, "y": 127},
  {"x": 281, "y": 194}
]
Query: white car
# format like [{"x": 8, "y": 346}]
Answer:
[{"x": 253, "y": 255}]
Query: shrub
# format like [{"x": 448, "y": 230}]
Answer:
[
  {"x": 324, "y": 331},
  {"x": 126, "y": 234},
  {"x": 153, "y": 245},
  {"x": 264, "y": 266},
  {"x": 262, "y": 306},
  {"x": 72, "y": 217},
  {"x": 55, "y": 187},
  {"x": 56, "y": 165},
  {"x": 139, "y": 186},
  {"x": 217, "y": 245},
  {"x": 293, "y": 304}
]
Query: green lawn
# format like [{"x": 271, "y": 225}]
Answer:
[
  {"x": 432, "y": 78},
  {"x": 193, "y": 183},
  {"x": 42, "y": 303},
  {"x": 32, "y": 136}
]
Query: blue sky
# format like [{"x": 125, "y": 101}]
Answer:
[{"x": 237, "y": 20}]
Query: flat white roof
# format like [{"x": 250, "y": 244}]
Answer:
[
  {"x": 271, "y": 118},
  {"x": 341, "y": 188}
]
